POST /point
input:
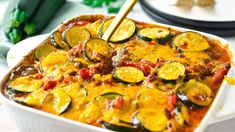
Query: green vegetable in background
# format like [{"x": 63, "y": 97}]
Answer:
[
  {"x": 17, "y": 17},
  {"x": 99, "y": 3},
  {"x": 28, "y": 17},
  {"x": 116, "y": 9},
  {"x": 42, "y": 16},
  {"x": 15, "y": 35},
  {"x": 23, "y": 11}
]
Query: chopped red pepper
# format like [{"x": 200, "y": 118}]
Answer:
[
  {"x": 117, "y": 103},
  {"x": 39, "y": 76},
  {"x": 151, "y": 43},
  {"x": 172, "y": 99},
  {"x": 49, "y": 84},
  {"x": 85, "y": 73},
  {"x": 144, "y": 68}
]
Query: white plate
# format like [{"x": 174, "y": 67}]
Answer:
[{"x": 223, "y": 10}]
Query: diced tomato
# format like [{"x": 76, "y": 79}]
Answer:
[
  {"x": 39, "y": 76},
  {"x": 149, "y": 63},
  {"x": 117, "y": 103},
  {"x": 172, "y": 99},
  {"x": 49, "y": 84},
  {"x": 145, "y": 68},
  {"x": 85, "y": 73},
  {"x": 151, "y": 43},
  {"x": 219, "y": 75}
]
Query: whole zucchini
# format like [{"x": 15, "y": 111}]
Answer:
[
  {"x": 44, "y": 13},
  {"x": 12, "y": 34},
  {"x": 23, "y": 11}
]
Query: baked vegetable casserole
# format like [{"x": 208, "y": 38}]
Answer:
[{"x": 146, "y": 78}]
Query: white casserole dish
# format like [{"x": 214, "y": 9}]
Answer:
[{"x": 32, "y": 120}]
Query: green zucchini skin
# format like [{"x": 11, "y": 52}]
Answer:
[
  {"x": 43, "y": 15},
  {"x": 17, "y": 13},
  {"x": 143, "y": 37},
  {"x": 57, "y": 97},
  {"x": 81, "y": 35},
  {"x": 13, "y": 91},
  {"x": 53, "y": 40},
  {"x": 111, "y": 95},
  {"x": 56, "y": 40},
  {"x": 20, "y": 11},
  {"x": 7, "y": 21},
  {"x": 152, "y": 34},
  {"x": 182, "y": 114},
  {"x": 116, "y": 128},
  {"x": 29, "y": 6},
  {"x": 24, "y": 70},
  {"x": 186, "y": 100},
  {"x": 166, "y": 39},
  {"x": 190, "y": 93}
]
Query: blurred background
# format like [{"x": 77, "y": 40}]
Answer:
[{"x": 23, "y": 19}]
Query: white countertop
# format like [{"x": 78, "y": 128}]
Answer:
[{"x": 75, "y": 8}]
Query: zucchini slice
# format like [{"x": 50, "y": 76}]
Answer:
[
  {"x": 124, "y": 32},
  {"x": 120, "y": 127},
  {"x": 182, "y": 115},
  {"x": 25, "y": 84},
  {"x": 97, "y": 50},
  {"x": 110, "y": 95},
  {"x": 24, "y": 70},
  {"x": 190, "y": 41},
  {"x": 36, "y": 98},
  {"x": 128, "y": 74},
  {"x": 56, "y": 40},
  {"x": 152, "y": 119},
  {"x": 44, "y": 50},
  {"x": 171, "y": 71},
  {"x": 162, "y": 35},
  {"x": 60, "y": 102},
  {"x": 76, "y": 35},
  {"x": 196, "y": 92}
]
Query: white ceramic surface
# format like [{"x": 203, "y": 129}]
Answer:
[
  {"x": 18, "y": 51},
  {"x": 223, "y": 10},
  {"x": 222, "y": 108}
]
